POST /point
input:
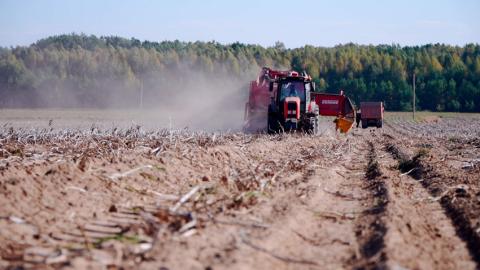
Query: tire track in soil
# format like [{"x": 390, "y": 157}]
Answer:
[
  {"x": 431, "y": 180},
  {"x": 371, "y": 228}
]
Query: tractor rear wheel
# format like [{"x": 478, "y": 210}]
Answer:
[{"x": 273, "y": 126}]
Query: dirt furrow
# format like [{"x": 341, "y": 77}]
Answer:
[
  {"x": 420, "y": 235},
  {"x": 371, "y": 228},
  {"x": 449, "y": 217}
]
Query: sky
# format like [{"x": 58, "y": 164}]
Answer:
[{"x": 295, "y": 23}]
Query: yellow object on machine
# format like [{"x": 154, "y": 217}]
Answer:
[{"x": 343, "y": 124}]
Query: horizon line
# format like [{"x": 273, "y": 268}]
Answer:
[{"x": 235, "y": 42}]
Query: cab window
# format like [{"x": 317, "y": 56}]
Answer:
[{"x": 293, "y": 89}]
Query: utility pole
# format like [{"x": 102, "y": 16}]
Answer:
[
  {"x": 141, "y": 93},
  {"x": 413, "y": 99}
]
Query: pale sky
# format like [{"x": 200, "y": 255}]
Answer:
[{"x": 296, "y": 23}]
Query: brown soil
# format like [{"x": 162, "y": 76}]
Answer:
[{"x": 126, "y": 198}]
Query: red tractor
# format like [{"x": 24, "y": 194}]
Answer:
[{"x": 286, "y": 101}]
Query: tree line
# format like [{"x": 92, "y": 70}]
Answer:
[{"x": 88, "y": 71}]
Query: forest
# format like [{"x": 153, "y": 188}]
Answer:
[{"x": 85, "y": 71}]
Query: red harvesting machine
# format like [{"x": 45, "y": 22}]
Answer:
[{"x": 286, "y": 101}]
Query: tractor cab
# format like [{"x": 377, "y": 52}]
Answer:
[
  {"x": 290, "y": 97},
  {"x": 294, "y": 87}
]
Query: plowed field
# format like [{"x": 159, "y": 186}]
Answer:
[{"x": 125, "y": 196}]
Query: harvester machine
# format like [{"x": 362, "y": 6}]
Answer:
[{"x": 281, "y": 101}]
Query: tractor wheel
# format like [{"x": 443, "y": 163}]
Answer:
[{"x": 273, "y": 125}]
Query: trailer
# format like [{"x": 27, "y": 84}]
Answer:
[{"x": 371, "y": 114}]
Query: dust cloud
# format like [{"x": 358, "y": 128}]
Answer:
[
  {"x": 182, "y": 99},
  {"x": 200, "y": 102}
]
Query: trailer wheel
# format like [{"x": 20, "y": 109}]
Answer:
[
  {"x": 364, "y": 123},
  {"x": 379, "y": 123}
]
